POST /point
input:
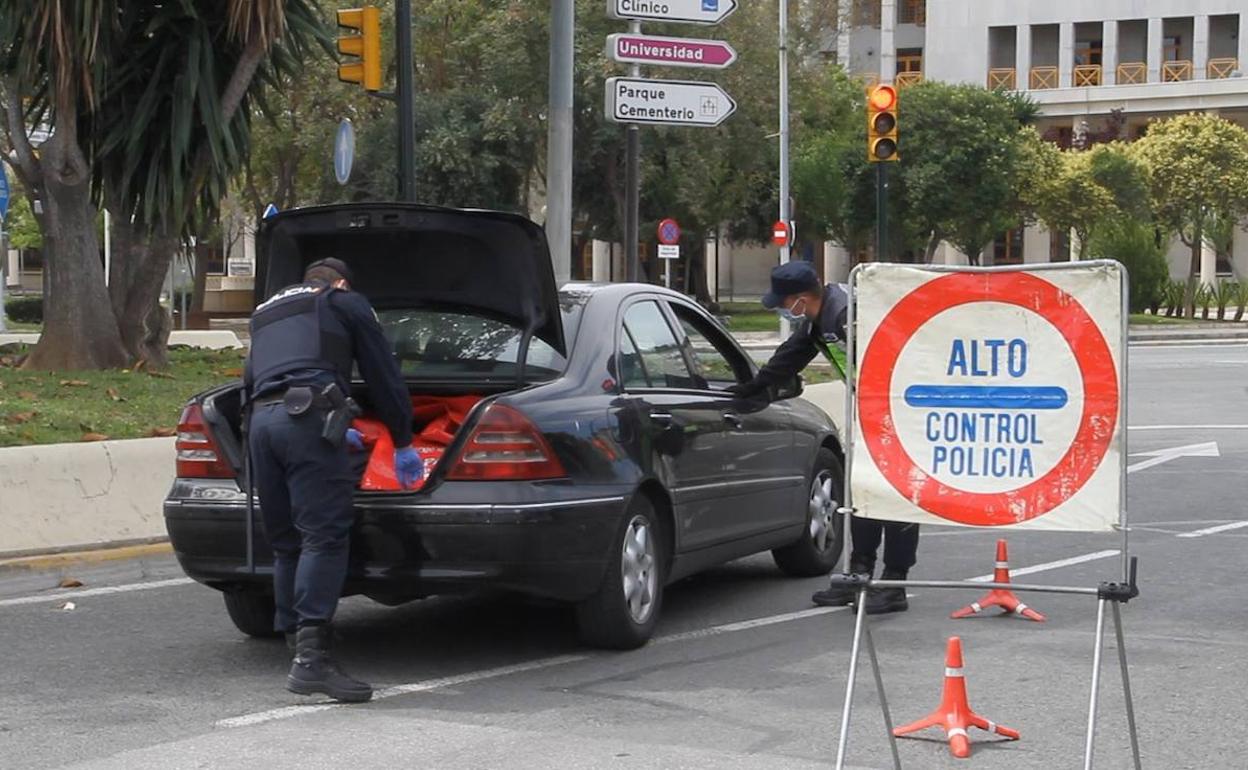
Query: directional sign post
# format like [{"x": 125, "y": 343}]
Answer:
[
  {"x": 670, "y": 51},
  {"x": 680, "y": 11},
  {"x": 667, "y": 102},
  {"x": 990, "y": 398}
]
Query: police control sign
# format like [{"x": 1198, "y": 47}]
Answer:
[{"x": 989, "y": 398}]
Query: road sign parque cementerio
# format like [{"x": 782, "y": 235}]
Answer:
[
  {"x": 667, "y": 102},
  {"x": 670, "y": 51},
  {"x": 687, "y": 11},
  {"x": 989, "y": 398}
]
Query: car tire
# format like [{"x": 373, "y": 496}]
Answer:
[
  {"x": 623, "y": 613},
  {"x": 252, "y": 610},
  {"x": 819, "y": 548}
]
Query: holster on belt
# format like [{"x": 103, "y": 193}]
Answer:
[{"x": 338, "y": 407}]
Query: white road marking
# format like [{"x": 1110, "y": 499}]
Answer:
[
  {"x": 1050, "y": 565},
  {"x": 102, "y": 591},
  {"x": 1207, "y": 449},
  {"x": 1215, "y": 530},
  {"x": 286, "y": 712},
  {"x": 1187, "y": 427}
]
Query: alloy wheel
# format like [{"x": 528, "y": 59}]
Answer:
[
  {"x": 823, "y": 507},
  {"x": 639, "y": 568}
]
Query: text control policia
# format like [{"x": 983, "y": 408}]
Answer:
[{"x": 969, "y": 441}]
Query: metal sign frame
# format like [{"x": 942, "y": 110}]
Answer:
[{"x": 1109, "y": 593}]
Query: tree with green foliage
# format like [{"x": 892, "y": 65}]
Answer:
[
  {"x": 1197, "y": 168},
  {"x": 147, "y": 110},
  {"x": 961, "y": 162}
]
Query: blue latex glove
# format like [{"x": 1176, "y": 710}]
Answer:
[
  {"x": 355, "y": 440},
  {"x": 409, "y": 467}
]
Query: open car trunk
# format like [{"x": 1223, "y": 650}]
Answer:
[{"x": 467, "y": 298}]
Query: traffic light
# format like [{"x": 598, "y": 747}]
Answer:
[
  {"x": 366, "y": 45},
  {"x": 882, "y": 124}
]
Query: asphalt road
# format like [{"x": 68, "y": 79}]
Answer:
[{"x": 744, "y": 673}]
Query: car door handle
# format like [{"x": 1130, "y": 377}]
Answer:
[
  {"x": 733, "y": 419},
  {"x": 662, "y": 418}
]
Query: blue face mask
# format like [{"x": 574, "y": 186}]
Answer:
[{"x": 791, "y": 314}]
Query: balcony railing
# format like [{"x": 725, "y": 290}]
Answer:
[
  {"x": 1087, "y": 75},
  {"x": 908, "y": 78},
  {"x": 1222, "y": 68},
  {"x": 1176, "y": 71},
  {"x": 1043, "y": 78},
  {"x": 1001, "y": 77},
  {"x": 1132, "y": 73}
]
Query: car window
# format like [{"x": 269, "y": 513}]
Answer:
[
  {"x": 657, "y": 347},
  {"x": 444, "y": 343},
  {"x": 632, "y": 372},
  {"x": 713, "y": 357}
]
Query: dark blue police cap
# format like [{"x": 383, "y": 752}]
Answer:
[
  {"x": 335, "y": 264},
  {"x": 789, "y": 279}
]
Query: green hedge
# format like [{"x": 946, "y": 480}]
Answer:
[{"x": 27, "y": 310}]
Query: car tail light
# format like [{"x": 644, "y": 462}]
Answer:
[
  {"x": 199, "y": 457},
  {"x": 504, "y": 446}
]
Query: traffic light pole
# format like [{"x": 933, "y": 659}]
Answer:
[
  {"x": 881, "y": 212},
  {"x": 407, "y": 118}
]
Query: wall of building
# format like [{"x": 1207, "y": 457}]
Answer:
[{"x": 956, "y": 27}]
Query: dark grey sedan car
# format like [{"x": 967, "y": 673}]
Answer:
[{"x": 598, "y": 459}]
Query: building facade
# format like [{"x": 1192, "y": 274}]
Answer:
[{"x": 1103, "y": 68}]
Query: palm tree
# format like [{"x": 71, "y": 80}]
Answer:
[{"x": 148, "y": 108}]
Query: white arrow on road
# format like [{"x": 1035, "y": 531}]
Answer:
[{"x": 1209, "y": 449}]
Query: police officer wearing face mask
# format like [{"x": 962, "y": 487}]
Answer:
[
  {"x": 304, "y": 341},
  {"x": 821, "y": 312}
]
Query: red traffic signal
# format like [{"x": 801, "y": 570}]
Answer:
[{"x": 882, "y": 124}]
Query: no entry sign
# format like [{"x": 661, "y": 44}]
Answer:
[{"x": 989, "y": 398}]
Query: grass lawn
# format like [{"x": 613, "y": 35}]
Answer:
[
  {"x": 53, "y": 407},
  {"x": 750, "y": 317},
  {"x": 17, "y": 326},
  {"x": 1146, "y": 319}
]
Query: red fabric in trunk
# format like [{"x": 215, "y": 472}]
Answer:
[{"x": 441, "y": 418}]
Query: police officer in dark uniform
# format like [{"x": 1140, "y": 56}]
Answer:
[
  {"x": 304, "y": 340},
  {"x": 821, "y": 311}
]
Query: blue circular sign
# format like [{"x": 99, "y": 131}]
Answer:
[
  {"x": 669, "y": 232},
  {"x": 344, "y": 151}
]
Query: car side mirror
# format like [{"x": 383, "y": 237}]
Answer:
[{"x": 790, "y": 389}]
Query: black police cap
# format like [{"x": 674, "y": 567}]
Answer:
[
  {"x": 789, "y": 279},
  {"x": 335, "y": 264}
]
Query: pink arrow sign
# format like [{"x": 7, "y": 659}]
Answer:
[{"x": 670, "y": 51}]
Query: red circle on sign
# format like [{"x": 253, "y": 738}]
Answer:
[
  {"x": 669, "y": 232},
  {"x": 1096, "y": 424},
  {"x": 780, "y": 233}
]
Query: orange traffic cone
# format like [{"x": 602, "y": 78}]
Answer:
[
  {"x": 954, "y": 713},
  {"x": 1000, "y": 597}
]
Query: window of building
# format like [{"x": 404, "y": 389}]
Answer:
[
  {"x": 909, "y": 60},
  {"x": 1170, "y": 48},
  {"x": 866, "y": 13},
  {"x": 1088, "y": 52},
  {"x": 1008, "y": 248},
  {"x": 912, "y": 12}
]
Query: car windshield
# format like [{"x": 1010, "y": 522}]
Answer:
[{"x": 435, "y": 343}]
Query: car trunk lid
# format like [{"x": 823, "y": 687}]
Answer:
[{"x": 408, "y": 255}]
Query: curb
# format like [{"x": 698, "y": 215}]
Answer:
[{"x": 55, "y": 561}]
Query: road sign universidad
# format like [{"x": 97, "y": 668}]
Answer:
[{"x": 989, "y": 398}]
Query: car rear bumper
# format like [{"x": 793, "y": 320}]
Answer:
[{"x": 556, "y": 549}]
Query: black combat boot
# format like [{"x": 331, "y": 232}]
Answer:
[
  {"x": 314, "y": 671},
  {"x": 842, "y": 596},
  {"x": 881, "y": 601}
]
